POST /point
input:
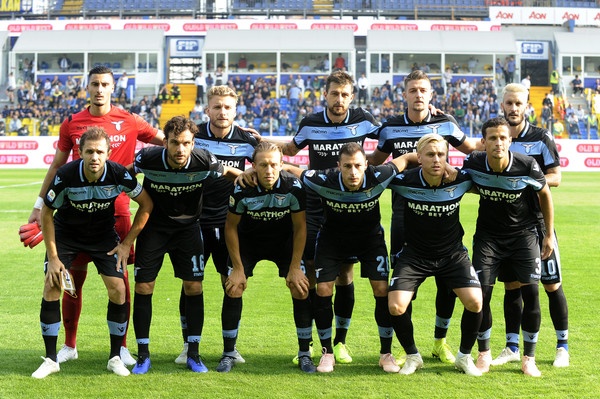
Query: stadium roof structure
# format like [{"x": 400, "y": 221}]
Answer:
[
  {"x": 255, "y": 41},
  {"x": 441, "y": 42},
  {"x": 101, "y": 41},
  {"x": 579, "y": 43}
]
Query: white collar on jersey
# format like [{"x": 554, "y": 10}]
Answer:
[
  {"x": 525, "y": 130},
  {"x": 327, "y": 120},
  {"x": 82, "y": 174},
  {"x": 510, "y": 162},
  {"x": 166, "y": 164},
  {"x": 408, "y": 121}
]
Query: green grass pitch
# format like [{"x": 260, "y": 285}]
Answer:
[{"x": 267, "y": 335}]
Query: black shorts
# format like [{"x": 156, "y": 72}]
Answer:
[
  {"x": 314, "y": 221},
  {"x": 519, "y": 254},
  {"x": 215, "y": 245},
  {"x": 397, "y": 227},
  {"x": 455, "y": 270},
  {"x": 69, "y": 245},
  {"x": 252, "y": 252},
  {"x": 551, "y": 268},
  {"x": 333, "y": 252},
  {"x": 184, "y": 246}
]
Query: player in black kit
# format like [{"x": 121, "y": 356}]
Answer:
[
  {"x": 433, "y": 247},
  {"x": 350, "y": 197},
  {"x": 539, "y": 144},
  {"x": 84, "y": 192},
  {"x": 232, "y": 146},
  {"x": 174, "y": 177},
  {"x": 324, "y": 134},
  {"x": 509, "y": 185},
  {"x": 272, "y": 212},
  {"x": 397, "y": 136}
]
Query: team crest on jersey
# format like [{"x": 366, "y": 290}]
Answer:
[
  {"x": 369, "y": 192},
  {"x": 434, "y": 128},
  {"x": 191, "y": 176},
  {"x": 51, "y": 195},
  {"x": 109, "y": 189},
  {"x": 450, "y": 191},
  {"x": 514, "y": 181},
  {"x": 57, "y": 181},
  {"x": 310, "y": 173},
  {"x": 233, "y": 148},
  {"x": 352, "y": 129},
  {"x": 527, "y": 147},
  {"x": 280, "y": 198},
  {"x": 118, "y": 125}
]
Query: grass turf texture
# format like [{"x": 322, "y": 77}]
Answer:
[{"x": 267, "y": 336}]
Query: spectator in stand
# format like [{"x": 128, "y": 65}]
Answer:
[
  {"x": 510, "y": 67},
  {"x": 289, "y": 129},
  {"x": 472, "y": 64},
  {"x": 385, "y": 63},
  {"x": 11, "y": 87},
  {"x": 597, "y": 86},
  {"x": 294, "y": 95},
  {"x": 499, "y": 68},
  {"x": 546, "y": 116},
  {"x": 573, "y": 126},
  {"x": 554, "y": 79},
  {"x": 242, "y": 62},
  {"x": 363, "y": 89},
  {"x": 340, "y": 62},
  {"x": 548, "y": 101},
  {"x": 2, "y": 128},
  {"x": 43, "y": 129},
  {"x": 175, "y": 94},
  {"x": 577, "y": 86},
  {"x": 135, "y": 108},
  {"x": 122, "y": 88},
  {"x": 526, "y": 81},
  {"x": 580, "y": 113},
  {"x": 200, "y": 83},
  {"x": 15, "y": 122},
  {"x": 64, "y": 63}
]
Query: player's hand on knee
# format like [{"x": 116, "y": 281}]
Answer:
[
  {"x": 54, "y": 269},
  {"x": 122, "y": 252},
  {"x": 235, "y": 284},
  {"x": 247, "y": 178},
  {"x": 297, "y": 280}
]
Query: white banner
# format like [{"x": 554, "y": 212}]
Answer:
[
  {"x": 545, "y": 15},
  {"x": 533, "y": 50},
  {"x": 38, "y": 153},
  {"x": 196, "y": 27}
]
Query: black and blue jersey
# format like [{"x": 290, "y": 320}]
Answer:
[
  {"x": 431, "y": 214},
  {"x": 233, "y": 150},
  {"x": 325, "y": 138},
  {"x": 266, "y": 214},
  {"x": 506, "y": 198},
  {"x": 350, "y": 213},
  {"x": 88, "y": 208},
  {"x": 399, "y": 135},
  {"x": 177, "y": 193},
  {"x": 539, "y": 144}
]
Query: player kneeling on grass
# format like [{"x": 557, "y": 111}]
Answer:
[
  {"x": 433, "y": 247},
  {"x": 84, "y": 193},
  {"x": 267, "y": 221}
]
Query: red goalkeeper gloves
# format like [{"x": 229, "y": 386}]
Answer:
[{"x": 30, "y": 234}]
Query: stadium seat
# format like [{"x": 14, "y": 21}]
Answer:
[{"x": 116, "y": 65}]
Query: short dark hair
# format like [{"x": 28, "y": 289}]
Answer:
[
  {"x": 351, "y": 149},
  {"x": 100, "y": 70},
  {"x": 493, "y": 122},
  {"x": 179, "y": 124},
  {"x": 94, "y": 133},
  {"x": 416, "y": 75},
  {"x": 340, "y": 78}
]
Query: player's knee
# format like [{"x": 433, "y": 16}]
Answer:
[
  {"x": 192, "y": 288},
  {"x": 51, "y": 293},
  {"x": 552, "y": 287},
  {"x": 513, "y": 285},
  {"x": 380, "y": 290},
  {"x": 474, "y": 304},
  {"x": 297, "y": 294},
  {"x": 325, "y": 289},
  {"x": 396, "y": 309},
  {"x": 144, "y": 288}
]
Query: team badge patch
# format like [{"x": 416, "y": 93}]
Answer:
[
  {"x": 51, "y": 195},
  {"x": 310, "y": 173},
  {"x": 231, "y": 200}
]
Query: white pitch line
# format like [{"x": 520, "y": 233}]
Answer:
[{"x": 24, "y": 184}]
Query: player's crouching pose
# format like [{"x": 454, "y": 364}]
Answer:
[
  {"x": 433, "y": 247},
  {"x": 83, "y": 193},
  {"x": 512, "y": 188},
  {"x": 174, "y": 177},
  {"x": 268, "y": 222}
]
